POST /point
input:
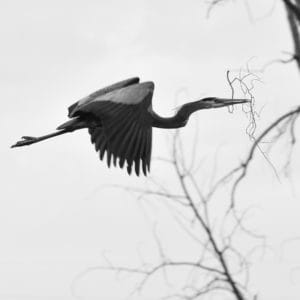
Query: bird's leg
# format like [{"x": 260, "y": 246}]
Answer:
[{"x": 28, "y": 140}]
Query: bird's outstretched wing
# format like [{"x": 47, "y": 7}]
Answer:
[
  {"x": 124, "y": 132},
  {"x": 121, "y": 84}
]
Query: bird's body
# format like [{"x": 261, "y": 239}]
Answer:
[{"x": 120, "y": 120}]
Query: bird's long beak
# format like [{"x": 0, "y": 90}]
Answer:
[{"x": 220, "y": 102}]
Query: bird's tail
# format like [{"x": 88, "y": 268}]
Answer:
[{"x": 73, "y": 124}]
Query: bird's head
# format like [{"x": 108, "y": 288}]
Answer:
[{"x": 211, "y": 102}]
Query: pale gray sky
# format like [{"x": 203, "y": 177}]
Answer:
[{"x": 56, "y": 219}]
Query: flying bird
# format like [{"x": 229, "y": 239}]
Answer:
[{"x": 120, "y": 118}]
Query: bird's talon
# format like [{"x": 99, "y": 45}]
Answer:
[{"x": 26, "y": 140}]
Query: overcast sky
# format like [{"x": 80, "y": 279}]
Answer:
[{"x": 57, "y": 216}]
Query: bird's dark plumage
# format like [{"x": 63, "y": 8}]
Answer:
[
  {"x": 120, "y": 118},
  {"x": 120, "y": 129}
]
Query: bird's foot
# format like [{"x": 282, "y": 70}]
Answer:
[{"x": 26, "y": 140}]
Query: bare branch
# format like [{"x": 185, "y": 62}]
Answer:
[
  {"x": 293, "y": 8},
  {"x": 244, "y": 165},
  {"x": 207, "y": 229},
  {"x": 293, "y": 15}
]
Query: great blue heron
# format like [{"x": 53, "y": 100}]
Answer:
[{"x": 120, "y": 118}]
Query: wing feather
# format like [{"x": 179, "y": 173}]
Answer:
[
  {"x": 108, "y": 156},
  {"x": 72, "y": 110},
  {"x": 122, "y": 139},
  {"x": 116, "y": 125},
  {"x": 94, "y": 134},
  {"x": 103, "y": 148},
  {"x": 98, "y": 141},
  {"x": 124, "y": 132},
  {"x": 108, "y": 110},
  {"x": 131, "y": 146},
  {"x": 98, "y": 138},
  {"x": 137, "y": 159},
  {"x": 117, "y": 134},
  {"x": 122, "y": 151},
  {"x": 134, "y": 155},
  {"x": 142, "y": 150},
  {"x": 149, "y": 148}
]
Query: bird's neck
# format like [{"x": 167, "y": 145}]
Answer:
[
  {"x": 181, "y": 117},
  {"x": 176, "y": 121}
]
